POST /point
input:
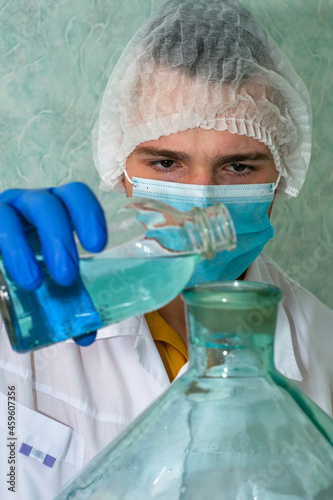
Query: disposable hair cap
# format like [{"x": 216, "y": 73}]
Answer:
[{"x": 208, "y": 64}]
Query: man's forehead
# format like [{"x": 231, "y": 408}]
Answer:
[{"x": 212, "y": 143}]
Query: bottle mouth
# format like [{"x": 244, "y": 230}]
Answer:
[
  {"x": 216, "y": 230},
  {"x": 232, "y": 295}
]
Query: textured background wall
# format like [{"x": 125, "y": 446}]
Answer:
[{"x": 56, "y": 56}]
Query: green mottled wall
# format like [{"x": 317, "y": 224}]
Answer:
[{"x": 56, "y": 56}]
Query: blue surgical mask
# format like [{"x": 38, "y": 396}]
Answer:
[{"x": 247, "y": 204}]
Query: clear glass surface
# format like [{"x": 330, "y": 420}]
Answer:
[{"x": 225, "y": 429}]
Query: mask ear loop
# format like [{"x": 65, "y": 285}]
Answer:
[
  {"x": 127, "y": 177},
  {"x": 277, "y": 181},
  {"x": 274, "y": 189}
]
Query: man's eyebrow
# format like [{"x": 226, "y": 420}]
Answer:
[
  {"x": 168, "y": 153},
  {"x": 237, "y": 157},
  {"x": 218, "y": 159}
]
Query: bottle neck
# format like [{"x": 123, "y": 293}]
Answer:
[
  {"x": 211, "y": 230},
  {"x": 138, "y": 227}
]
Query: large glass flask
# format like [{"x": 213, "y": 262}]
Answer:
[
  {"x": 151, "y": 254},
  {"x": 224, "y": 430}
]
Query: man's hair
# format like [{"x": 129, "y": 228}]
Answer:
[{"x": 206, "y": 45}]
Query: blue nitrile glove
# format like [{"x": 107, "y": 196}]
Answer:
[{"x": 54, "y": 213}]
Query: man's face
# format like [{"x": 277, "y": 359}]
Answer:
[{"x": 198, "y": 156}]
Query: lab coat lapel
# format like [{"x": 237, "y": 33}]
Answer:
[
  {"x": 148, "y": 355},
  {"x": 144, "y": 345}
]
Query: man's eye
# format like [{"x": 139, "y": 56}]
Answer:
[
  {"x": 164, "y": 163},
  {"x": 239, "y": 168}
]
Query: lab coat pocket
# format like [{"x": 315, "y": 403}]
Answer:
[{"x": 38, "y": 454}]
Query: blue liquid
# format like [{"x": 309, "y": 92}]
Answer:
[{"x": 107, "y": 291}]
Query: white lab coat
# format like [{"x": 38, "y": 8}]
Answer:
[{"x": 72, "y": 401}]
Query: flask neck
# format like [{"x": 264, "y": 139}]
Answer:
[
  {"x": 231, "y": 356},
  {"x": 231, "y": 328}
]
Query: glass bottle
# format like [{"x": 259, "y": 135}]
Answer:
[
  {"x": 147, "y": 242},
  {"x": 225, "y": 429}
]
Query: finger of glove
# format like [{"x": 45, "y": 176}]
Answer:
[
  {"x": 17, "y": 254},
  {"x": 85, "y": 339},
  {"x": 86, "y": 214},
  {"x": 46, "y": 212}
]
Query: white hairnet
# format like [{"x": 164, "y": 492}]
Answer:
[{"x": 208, "y": 64}]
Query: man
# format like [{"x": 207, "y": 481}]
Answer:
[{"x": 202, "y": 103}]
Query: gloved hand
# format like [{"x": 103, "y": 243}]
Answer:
[{"x": 54, "y": 213}]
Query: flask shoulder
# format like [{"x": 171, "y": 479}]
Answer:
[{"x": 319, "y": 418}]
